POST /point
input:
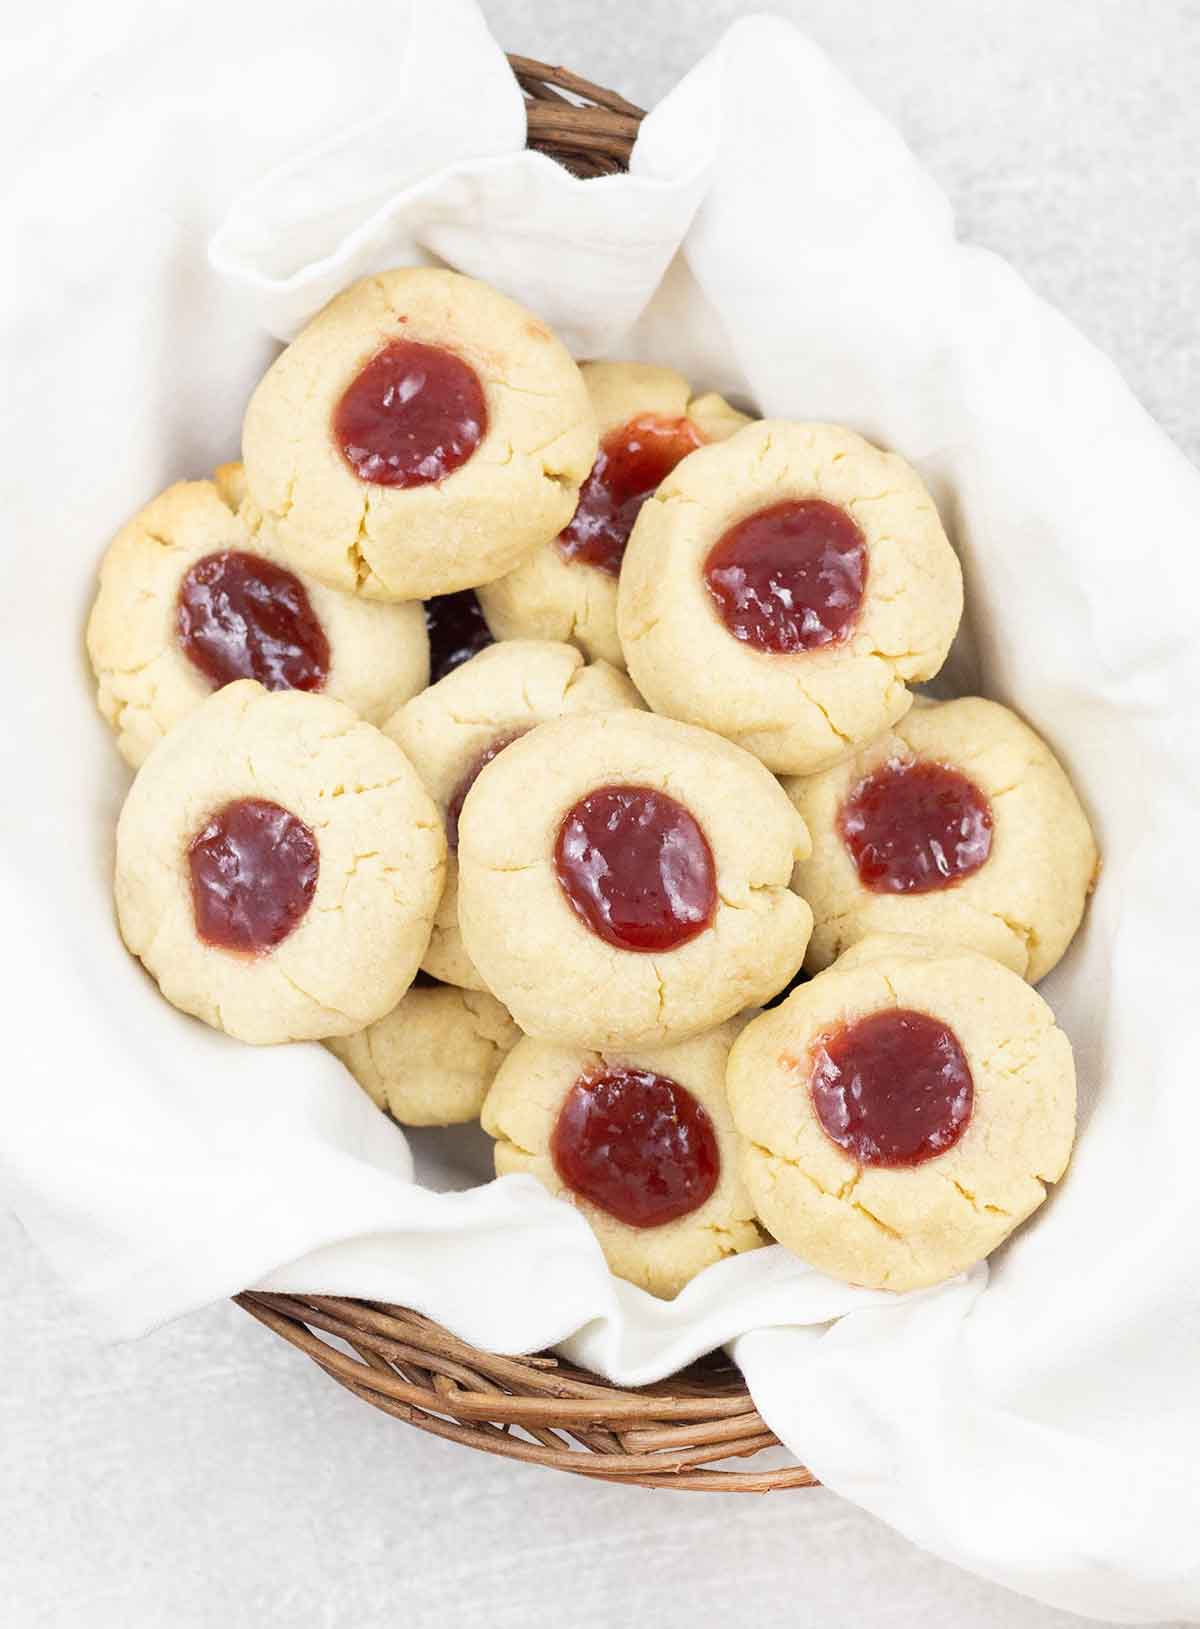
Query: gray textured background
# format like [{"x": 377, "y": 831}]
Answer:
[{"x": 208, "y": 1477}]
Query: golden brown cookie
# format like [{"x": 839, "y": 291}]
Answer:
[
  {"x": 903, "y": 1111},
  {"x": 422, "y": 434},
  {"x": 430, "y": 1061},
  {"x": 624, "y": 880},
  {"x": 958, "y": 824},
  {"x": 784, "y": 588},
  {"x": 191, "y": 598},
  {"x": 278, "y": 866},
  {"x": 640, "y": 1141}
]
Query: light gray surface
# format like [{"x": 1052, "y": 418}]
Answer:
[{"x": 208, "y": 1476}]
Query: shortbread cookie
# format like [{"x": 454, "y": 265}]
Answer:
[
  {"x": 431, "y": 1060},
  {"x": 784, "y": 588},
  {"x": 278, "y": 866},
  {"x": 422, "y": 434},
  {"x": 191, "y": 599},
  {"x": 452, "y": 729},
  {"x": 648, "y": 421},
  {"x": 903, "y": 1111},
  {"x": 960, "y": 825},
  {"x": 624, "y": 880},
  {"x": 641, "y": 1142}
]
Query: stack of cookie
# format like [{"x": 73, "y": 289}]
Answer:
[{"x": 523, "y": 730}]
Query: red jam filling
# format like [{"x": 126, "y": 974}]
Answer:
[
  {"x": 457, "y": 631},
  {"x": 892, "y": 1089},
  {"x": 912, "y": 828},
  {"x": 454, "y": 807},
  {"x": 637, "y": 1145},
  {"x": 414, "y": 414},
  {"x": 789, "y": 578},
  {"x": 636, "y": 868},
  {"x": 239, "y": 616},
  {"x": 631, "y": 464},
  {"x": 254, "y": 872}
]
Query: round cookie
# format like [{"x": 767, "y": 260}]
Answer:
[
  {"x": 431, "y": 1060},
  {"x": 903, "y": 1111},
  {"x": 421, "y": 435},
  {"x": 642, "y": 1143},
  {"x": 624, "y": 880},
  {"x": 449, "y": 730},
  {"x": 648, "y": 421},
  {"x": 959, "y": 825},
  {"x": 784, "y": 588},
  {"x": 191, "y": 599},
  {"x": 278, "y": 866}
]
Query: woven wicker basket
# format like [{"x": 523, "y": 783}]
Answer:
[{"x": 537, "y": 1408}]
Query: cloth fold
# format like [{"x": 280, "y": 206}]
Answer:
[{"x": 1038, "y": 1422}]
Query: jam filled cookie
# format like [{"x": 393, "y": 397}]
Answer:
[
  {"x": 903, "y": 1111},
  {"x": 278, "y": 866},
  {"x": 421, "y": 435},
  {"x": 431, "y": 1060},
  {"x": 641, "y": 1142},
  {"x": 959, "y": 825},
  {"x": 190, "y": 599},
  {"x": 624, "y": 880},
  {"x": 456, "y": 727},
  {"x": 783, "y": 588},
  {"x": 648, "y": 421}
]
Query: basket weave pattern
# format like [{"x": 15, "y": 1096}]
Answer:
[{"x": 538, "y": 1408}]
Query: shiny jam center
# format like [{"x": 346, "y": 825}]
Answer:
[
  {"x": 239, "y": 616},
  {"x": 789, "y": 578},
  {"x": 254, "y": 869},
  {"x": 631, "y": 464},
  {"x": 454, "y": 807},
  {"x": 636, "y": 868},
  {"x": 413, "y": 415},
  {"x": 892, "y": 1089},
  {"x": 457, "y": 631},
  {"x": 637, "y": 1145},
  {"x": 912, "y": 828}
]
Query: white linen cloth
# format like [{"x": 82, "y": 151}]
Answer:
[{"x": 775, "y": 239}]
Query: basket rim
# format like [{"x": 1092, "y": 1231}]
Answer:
[
  {"x": 668, "y": 1434},
  {"x": 411, "y": 1368}
]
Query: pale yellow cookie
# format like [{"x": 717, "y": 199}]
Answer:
[
  {"x": 515, "y": 490},
  {"x": 431, "y": 1060},
  {"x": 554, "y": 595},
  {"x": 550, "y": 1101},
  {"x": 892, "y": 1226},
  {"x": 719, "y": 837},
  {"x": 374, "y": 656},
  {"x": 1022, "y": 850},
  {"x": 448, "y": 730},
  {"x": 347, "y": 818},
  {"x": 802, "y": 711}
]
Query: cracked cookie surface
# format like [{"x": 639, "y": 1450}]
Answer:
[
  {"x": 806, "y": 709},
  {"x": 1024, "y": 902},
  {"x": 552, "y": 596},
  {"x": 430, "y": 1061},
  {"x": 560, "y": 980},
  {"x": 516, "y": 489},
  {"x": 905, "y": 1227},
  {"x": 521, "y": 1112},
  {"x": 447, "y": 730},
  {"x": 378, "y": 654},
  {"x": 381, "y": 855}
]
